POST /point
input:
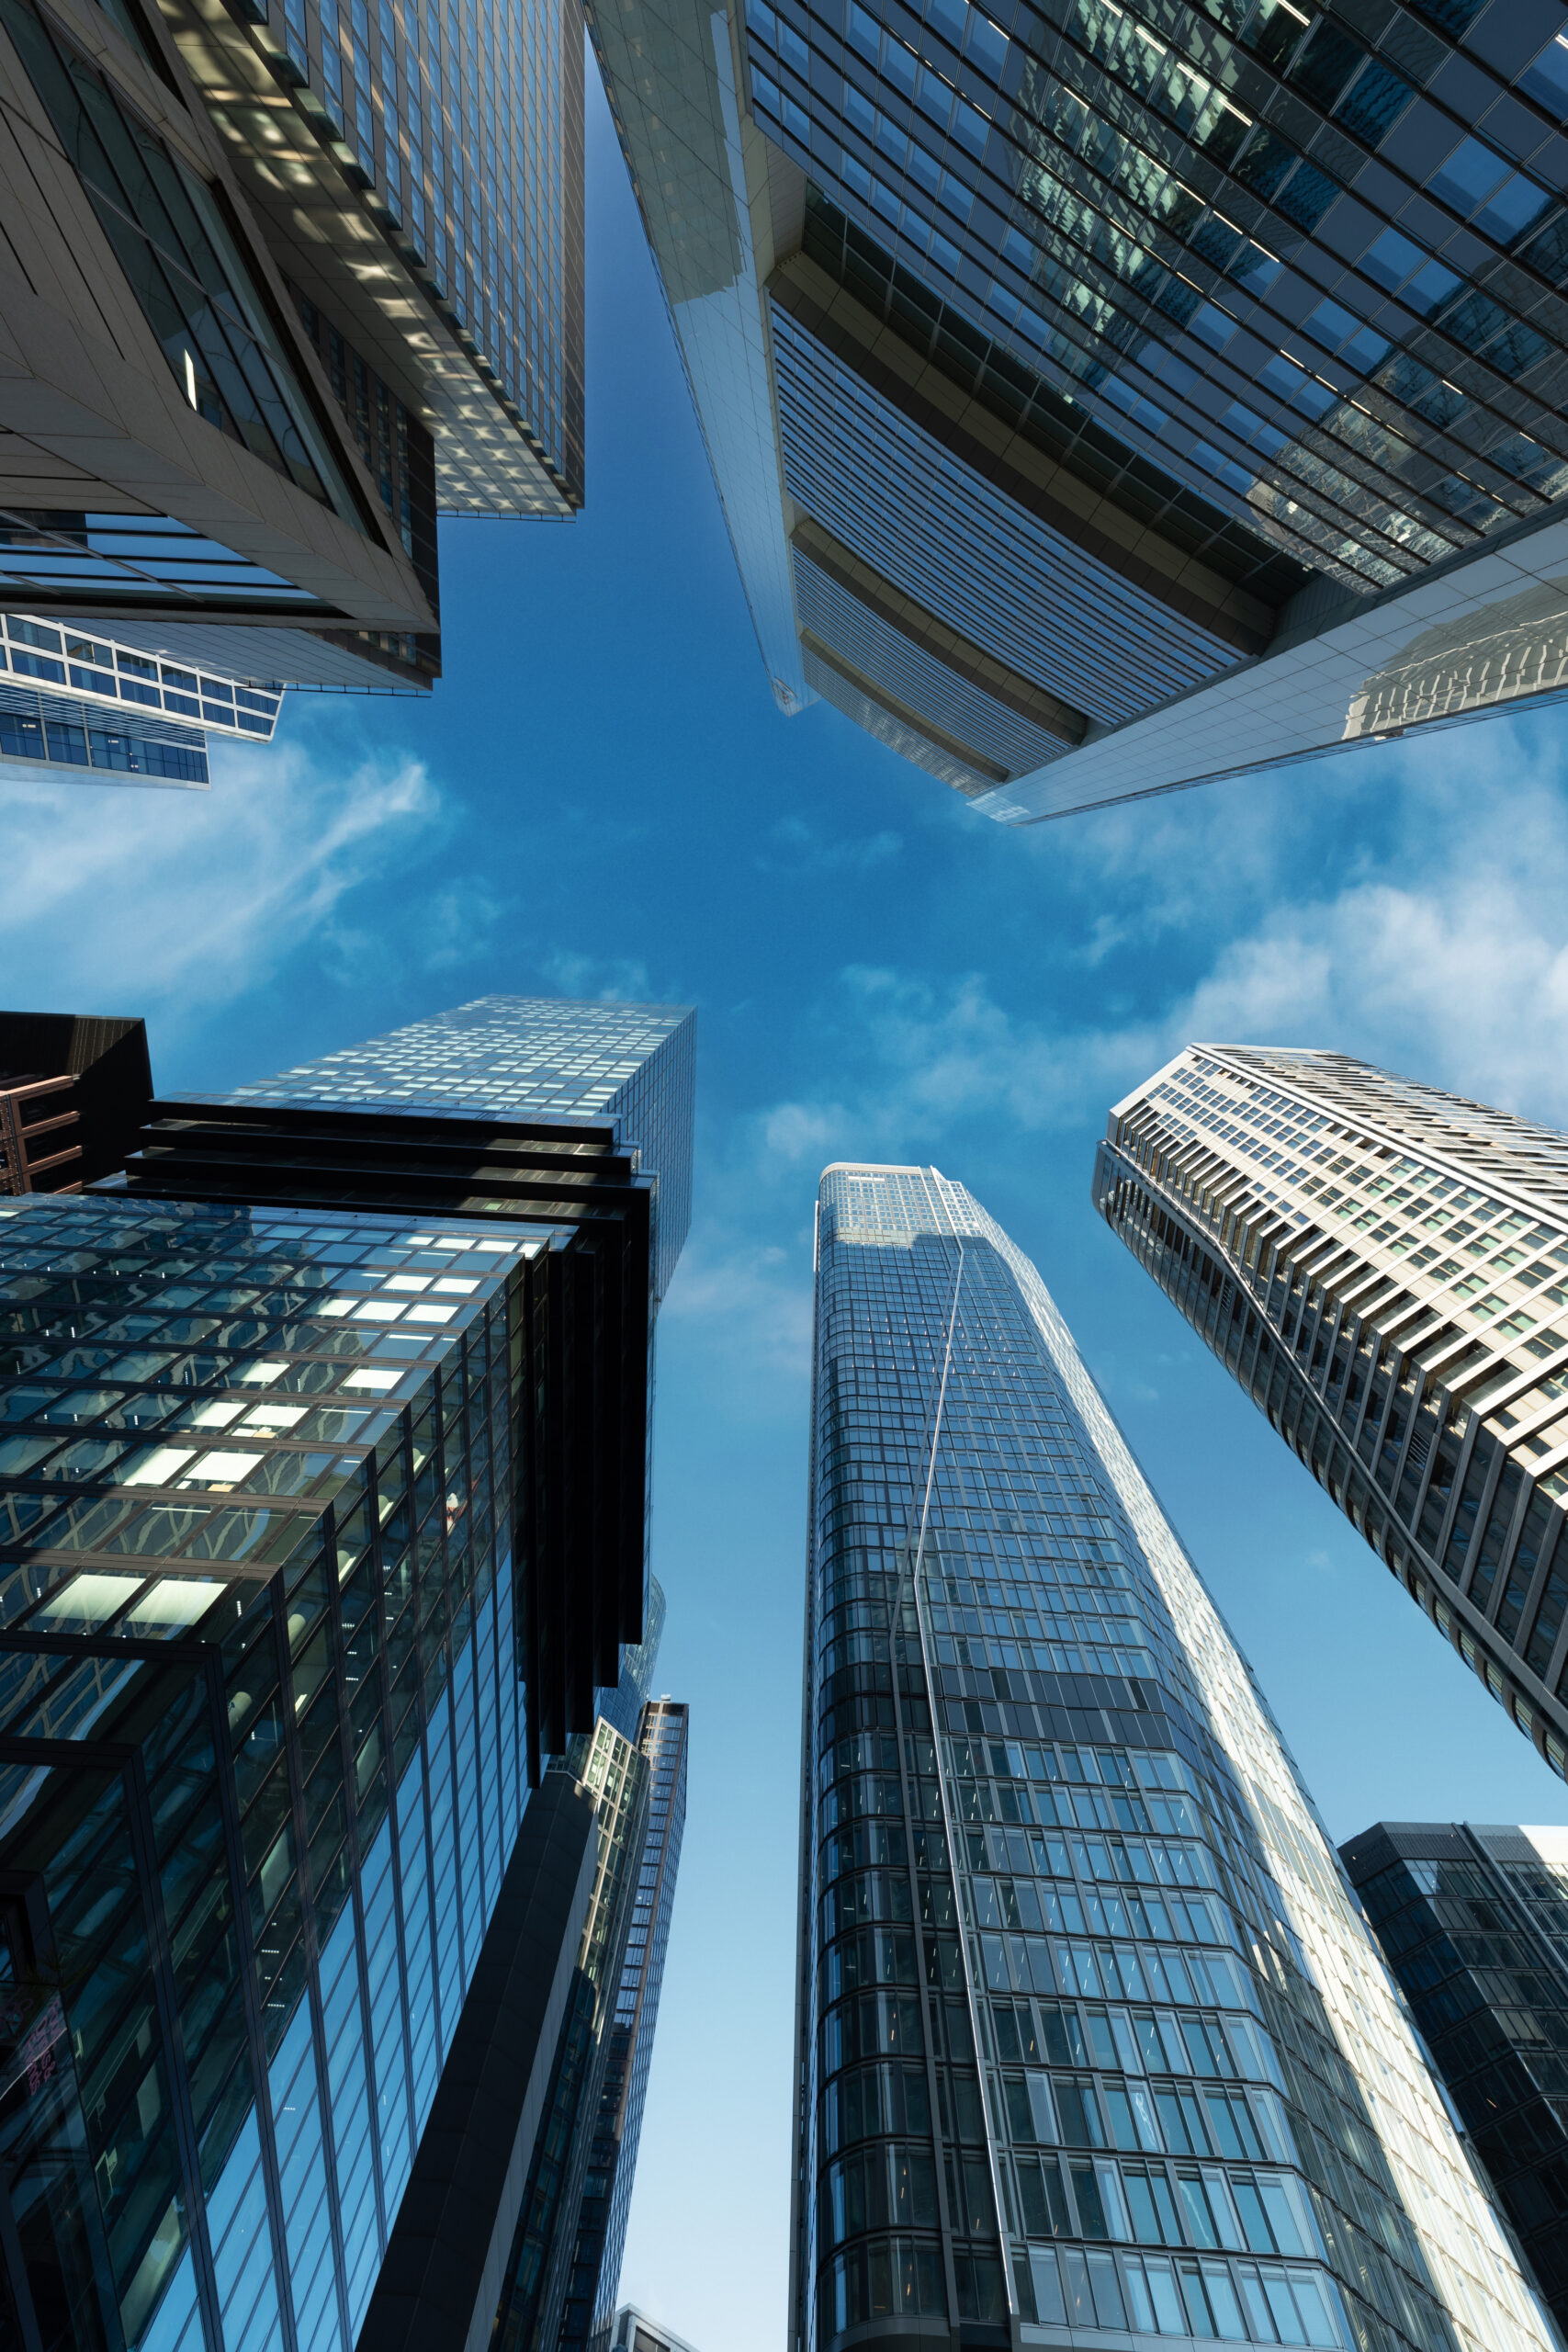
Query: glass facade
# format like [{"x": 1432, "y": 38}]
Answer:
[
  {"x": 543, "y": 1057},
  {"x": 663, "y": 1740},
  {"x": 1093, "y": 2037},
  {"x": 675, "y": 81},
  {"x": 565, "y": 2255},
  {"x": 451, "y": 138},
  {"x": 1253, "y": 313},
  {"x": 1474, "y": 1922},
  {"x": 111, "y": 722},
  {"x": 634, "y": 2331},
  {"x": 540, "y": 2270},
  {"x": 264, "y": 1741},
  {"x": 1383, "y": 1267}
]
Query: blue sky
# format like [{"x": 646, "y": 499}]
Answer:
[{"x": 602, "y": 799}]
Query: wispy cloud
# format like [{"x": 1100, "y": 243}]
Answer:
[
  {"x": 1450, "y": 963},
  {"x": 1444, "y": 957},
  {"x": 798, "y": 848},
  {"x": 608, "y": 980},
  {"x": 193, "y": 898}
]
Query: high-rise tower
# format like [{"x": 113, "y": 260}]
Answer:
[
  {"x": 565, "y": 2263},
  {"x": 1092, "y": 2036},
  {"x": 1473, "y": 1919},
  {"x": 1384, "y": 1268},
  {"x": 279, "y": 288},
  {"x": 1104, "y": 394},
  {"x": 322, "y": 1524}
]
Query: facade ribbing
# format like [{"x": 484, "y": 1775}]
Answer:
[{"x": 1383, "y": 1267}]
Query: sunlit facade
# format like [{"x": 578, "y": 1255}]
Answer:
[
  {"x": 1149, "y": 382},
  {"x": 1093, "y": 2038},
  {"x": 1384, "y": 1268},
  {"x": 284, "y": 284},
  {"x": 288, "y": 1511}
]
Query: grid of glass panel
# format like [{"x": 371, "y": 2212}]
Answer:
[
  {"x": 1309, "y": 268},
  {"x": 1478, "y": 1938},
  {"x": 524, "y": 1058},
  {"x": 1091, "y": 2035},
  {"x": 82, "y": 739},
  {"x": 135, "y": 555},
  {"x": 99, "y": 671},
  {"x": 1385, "y": 1267},
  {"x": 255, "y": 1570},
  {"x": 466, "y": 119},
  {"x": 663, "y": 1739},
  {"x": 394, "y": 443}
]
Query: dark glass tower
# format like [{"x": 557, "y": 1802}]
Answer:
[
  {"x": 322, "y": 1512},
  {"x": 1138, "y": 371},
  {"x": 565, "y": 2255},
  {"x": 602, "y": 2232},
  {"x": 1473, "y": 1921},
  {"x": 1093, "y": 2037},
  {"x": 1384, "y": 1268}
]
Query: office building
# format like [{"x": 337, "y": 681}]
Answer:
[
  {"x": 123, "y": 716},
  {"x": 663, "y": 1739},
  {"x": 566, "y": 2253},
  {"x": 1092, "y": 2036},
  {"x": 1103, "y": 396},
  {"x": 279, "y": 290},
  {"x": 632, "y": 2331},
  {"x": 72, "y": 1092},
  {"x": 324, "y": 1514},
  {"x": 1474, "y": 1922},
  {"x": 1384, "y": 1268}
]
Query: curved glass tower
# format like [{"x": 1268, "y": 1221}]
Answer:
[
  {"x": 1162, "y": 388},
  {"x": 1093, "y": 2037}
]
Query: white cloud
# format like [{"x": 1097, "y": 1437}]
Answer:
[
  {"x": 796, "y": 847},
  {"x": 748, "y": 1304},
  {"x": 608, "y": 980},
  {"x": 1449, "y": 966},
  {"x": 113, "y": 893}
]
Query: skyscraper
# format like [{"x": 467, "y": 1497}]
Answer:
[
  {"x": 324, "y": 1512},
  {"x": 663, "y": 1739},
  {"x": 279, "y": 290},
  {"x": 1106, "y": 396},
  {"x": 565, "y": 2255},
  {"x": 1384, "y": 1268},
  {"x": 1473, "y": 1921},
  {"x": 1091, "y": 2034},
  {"x": 72, "y": 1089}
]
